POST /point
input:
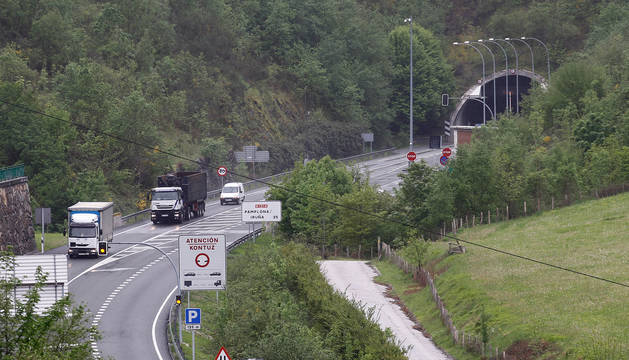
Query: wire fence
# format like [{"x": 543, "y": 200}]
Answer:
[
  {"x": 524, "y": 208},
  {"x": 470, "y": 342}
]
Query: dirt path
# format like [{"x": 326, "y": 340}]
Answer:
[{"x": 355, "y": 280}]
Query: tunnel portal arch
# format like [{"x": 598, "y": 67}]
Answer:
[{"x": 469, "y": 110}]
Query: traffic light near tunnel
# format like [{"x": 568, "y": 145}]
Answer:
[{"x": 102, "y": 248}]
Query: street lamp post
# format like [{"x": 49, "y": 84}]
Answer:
[
  {"x": 410, "y": 21},
  {"x": 483, "y": 79},
  {"x": 493, "y": 59},
  {"x": 491, "y": 40},
  {"x": 517, "y": 75},
  {"x": 530, "y": 50},
  {"x": 547, "y": 53}
]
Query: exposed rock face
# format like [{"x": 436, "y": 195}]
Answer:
[{"x": 16, "y": 218}]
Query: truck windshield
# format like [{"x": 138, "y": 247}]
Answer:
[
  {"x": 82, "y": 232},
  {"x": 165, "y": 195},
  {"x": 230, "y": 189}
]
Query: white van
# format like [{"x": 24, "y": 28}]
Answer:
[{"x": 233, "y": 193}]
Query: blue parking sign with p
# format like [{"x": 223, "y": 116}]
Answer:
[{"x": 193, "y": 316}]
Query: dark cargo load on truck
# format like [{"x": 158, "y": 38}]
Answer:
[{"x": 193, "y": 184}]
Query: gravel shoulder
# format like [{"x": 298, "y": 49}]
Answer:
[{"x": 354, "y": 279}]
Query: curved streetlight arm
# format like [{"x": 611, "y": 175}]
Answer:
[
  {"x": 517, "y": 76},
  {"x": 483, "y": 61},
  {"x": 547, "y": 53},
  {"x": 493, "y": 59},
  {"x": 158, "y": 249},
  {"x": 531, "y": 50},
  {"x": 475, "y": 99},
  {"x": 491, "y": 40}
]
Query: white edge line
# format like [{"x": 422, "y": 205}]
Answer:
[{"x": 155, "y": 322}]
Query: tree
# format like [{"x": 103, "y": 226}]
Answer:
[
  {"x": 411, "y": 196},
  {"x": 431, "y": 78},
  {"x": 61, "y": 332}
]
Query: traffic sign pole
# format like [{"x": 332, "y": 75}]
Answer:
[{"x": 193, "y": 350}]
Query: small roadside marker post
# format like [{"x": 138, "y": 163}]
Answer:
[{"x": 193, "y": 322}]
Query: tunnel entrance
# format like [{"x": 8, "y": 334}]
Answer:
[{"x": 469, "y": 111}]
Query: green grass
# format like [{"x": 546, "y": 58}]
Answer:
[
  {"x": 583, "y": 318},
  {"x": 51, "y": 240}
]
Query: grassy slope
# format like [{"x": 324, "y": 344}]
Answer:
[{"x": 586, "y": 317}]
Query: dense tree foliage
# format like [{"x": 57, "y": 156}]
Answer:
[
  {"x": 298, "y": 78},
  {"x": 320, "y": 202}
]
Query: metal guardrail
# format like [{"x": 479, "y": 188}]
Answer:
[
  {"x": 244, "y": 239},
  {"x": 11, "y": 172}
]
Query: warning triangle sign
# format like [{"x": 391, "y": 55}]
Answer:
[{"x": 222, "y": 355}]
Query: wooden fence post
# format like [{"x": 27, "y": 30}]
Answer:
[
  {"x": 473, "y": 220},
  {"x": 347, "y": 250},
  {"x": 552, "y": 203},
  {"x": 524, "y": 207},
  {"x": 489, "y": 217},
  {"x": 359, "y": 250},
  {"x": 481, "y": 217},
  {"x": 507, "y": 212}
]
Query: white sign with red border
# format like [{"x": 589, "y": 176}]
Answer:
[
  {"x": 221, "y": 171},
  {"x": 261, "y": 211},
  {"x": 202, "y": 262}
]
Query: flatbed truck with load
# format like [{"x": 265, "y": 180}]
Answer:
[
  {"x": 178, "y": 197},
  {"x": 90, "y": 228}
]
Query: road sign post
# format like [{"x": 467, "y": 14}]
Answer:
[
  {"x": 42, "y": 216},
  {"x": 193, "y": 322},
  {"x": 221, "y": 171}
]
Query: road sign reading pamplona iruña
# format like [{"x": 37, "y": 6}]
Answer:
[
  {"x": 261, "y": 211},
  {"x": 202, "y": 262}
]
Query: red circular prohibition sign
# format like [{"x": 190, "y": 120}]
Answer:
[{"x": 202, "y": 258}]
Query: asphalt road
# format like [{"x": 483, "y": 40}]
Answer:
[{"x": 130, "y": 291}]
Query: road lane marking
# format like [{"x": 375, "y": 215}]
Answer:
[{"x": 159, "y": 355}]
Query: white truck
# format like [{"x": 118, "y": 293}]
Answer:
[{"x": 90, "y": 228}]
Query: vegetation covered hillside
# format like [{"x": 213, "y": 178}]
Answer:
[{"x": 200, "y": 79}]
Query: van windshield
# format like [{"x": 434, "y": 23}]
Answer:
[
  {"x": 230, "y": 189},
  {"x": 83, "y": 232}
]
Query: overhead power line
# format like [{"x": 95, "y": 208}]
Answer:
[{"x": 283, "y": 188}]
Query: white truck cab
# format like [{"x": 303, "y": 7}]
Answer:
[
  {"x": 166, "y": 204},
  {"x": 91, "y": 228},
  {"x": 233, "y": 193}
]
